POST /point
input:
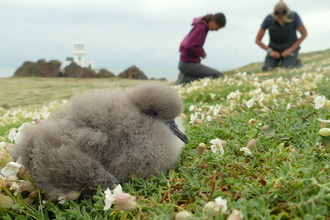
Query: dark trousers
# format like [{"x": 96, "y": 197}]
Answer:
[
  {"x": 290, "y": 61},
  {"x": 194, "y": 71}
]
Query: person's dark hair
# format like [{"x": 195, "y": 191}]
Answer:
[{"x": 219, "y": 18}]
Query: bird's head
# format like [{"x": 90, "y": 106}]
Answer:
[{"x": 159, "y": 101}]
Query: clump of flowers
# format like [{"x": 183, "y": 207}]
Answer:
[
  {"x": 324, "y": 132},
  {"x": 321, "y": 101},
  {"x": 217, "y": 146},
  {"x": 20, "y": 114},
  {"x": 207, "y": 113},
  {"x": 123, "y": 200},
  {"x": 10, "y": 182},
  {"x": 215, "y": 207}
]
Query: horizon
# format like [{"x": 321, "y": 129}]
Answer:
[{"x": 118, "y": 70}]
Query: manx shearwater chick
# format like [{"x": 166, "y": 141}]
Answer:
[{"x": 102, "y": 137}]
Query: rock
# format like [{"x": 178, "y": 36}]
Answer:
[
  {"x": 105, "y": 73},
  {"x": 133, "y": 73},
  {"x": 89, "y": 73},
  {"x": 74, "y": 70},
  {"x": 40, "y": 68},
  {"x": 50, "y": 69},
  {"x": 41, "y": 62},
  {"x": 27, "y": 69}
]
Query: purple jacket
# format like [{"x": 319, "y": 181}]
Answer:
[{"x": 191, "y": 48}]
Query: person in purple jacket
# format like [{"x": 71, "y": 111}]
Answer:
[
  {"x": 192, "y": 51},
  {"x": 283, "y": 46}
]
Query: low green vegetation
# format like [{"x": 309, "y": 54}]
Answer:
[
  {"x": 21, "y": 91},
  {"x": 284, "y": 175}
]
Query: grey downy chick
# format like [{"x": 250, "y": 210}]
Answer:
[{"x": 102, "y": 137}]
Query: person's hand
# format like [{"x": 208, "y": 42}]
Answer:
[
  {"x": 286, "y": 53},
  {"x": 275, "y": 54},
  {"x": 203, "y": 55}
]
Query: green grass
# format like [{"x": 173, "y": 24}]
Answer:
[
  {"x": 16, "y": 91},
  {"x": 287, "y": 177}
]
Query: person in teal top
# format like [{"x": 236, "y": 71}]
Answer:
[{"x": 283, "y": 46}]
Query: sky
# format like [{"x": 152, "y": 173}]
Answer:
[{"x": 145, "y": 33}]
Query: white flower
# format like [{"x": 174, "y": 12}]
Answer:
[
  {"x": 11, "y": 168},
  {"x": 307, "y": 93},
  {"x": 15, "y": 187},
  {"x": 202, "y": 116},
  {"x": 274, "y": 89},
  {"x": 108, "y": 199},
  {"x": 216, "y": 206},
  {"x": 233, "y": 95},
  {"x": 191, "y": 108},
  {"x": 246, "y": 151},
  {"x": 123, "y": 200},
  {"x": 183, "y": 215},
  {"x": 216, "y": 110},
  {"x": 222, "y": 203},
  {"x": 235, "y": 215},
  {"x": 250, "y": 103},
  {"x": 268, "y": 82},
  {"x": 216, "y": 146},
  {"x": 324, "y": 121},
  {"x": 209, "y": 118},
  {"x": 2, "y": 144},
  {"x": 192, "y": 118},
  {"x": 61, "y": 199},
  {"x": 319, "y": 102},
  {"x": 288, "y": 106},
  {"x": 11, "y": 135}
]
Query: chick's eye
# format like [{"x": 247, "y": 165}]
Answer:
[{"x": 155, "y": 113}]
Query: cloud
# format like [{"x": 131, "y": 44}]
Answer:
[{"x": 146, "y": 33}]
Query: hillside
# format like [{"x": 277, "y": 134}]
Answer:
[{"x": 309, "y": 61}]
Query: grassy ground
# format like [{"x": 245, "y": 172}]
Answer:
[
  {"x": 286, "y": 177},
  {"x": 17, "y": 91}
]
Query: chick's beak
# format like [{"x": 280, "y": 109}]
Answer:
[{"x": 175, "y": 129}]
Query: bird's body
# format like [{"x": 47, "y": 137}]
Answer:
[{"x": 103, "y": 137}]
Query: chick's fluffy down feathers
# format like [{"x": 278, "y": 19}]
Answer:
[{"x": 102, "y": 137}]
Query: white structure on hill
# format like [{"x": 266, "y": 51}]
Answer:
[{"x": 79, "y": 56}]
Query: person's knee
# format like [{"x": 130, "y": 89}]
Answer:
[
  {"x": 270, "y": 63},
  {"x": 265, "y": 68},
  {"x": 289, "y": 63},
  {"x": 218, "y": 74},
  {"x": 183, "y": 79}
]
